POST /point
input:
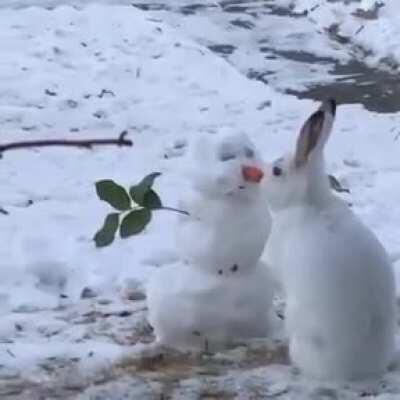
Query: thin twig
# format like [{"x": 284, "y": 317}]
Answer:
[
  {"x": 173, "y": 209},
  {"x": 10, "y": 353},
  {"x": 3, "y": 211},
  {"x": 359, "y": 30},
  {"x": 85, "y": 143}
]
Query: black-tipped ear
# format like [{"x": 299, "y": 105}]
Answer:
[
  {"x": 329, "y": 106},
  {"x": 332, "y": 103},
  {"x": 315, "y": 132},
  {"x": 309, "y": 137}
]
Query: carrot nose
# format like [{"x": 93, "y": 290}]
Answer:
[{"x": 252, "y": 174}]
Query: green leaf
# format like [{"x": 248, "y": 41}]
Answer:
[
  {"x": 149, "y": 179},
  {"x": 140, "y": 191},
  {"x": 336, "y": 185},
  {"x": 105, "y": 236},
  {"x": 113, "y": 194},
  {"x": 134, "y": 222},
  {"x": 151, "y": 200}
]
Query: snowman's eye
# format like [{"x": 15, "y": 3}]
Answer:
[
  {"x": 277, "y": 171},
  {"x": 227, "y": 156},
  {"x": 249, "y": 153}
]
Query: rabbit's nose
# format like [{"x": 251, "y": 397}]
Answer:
[{"x": 252, "y": 174}]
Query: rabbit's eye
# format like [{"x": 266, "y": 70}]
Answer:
[
  {"x": 227, "y": 156},
  {"x": 249, "y": 153},
  {"x": 277, "y": 171}
]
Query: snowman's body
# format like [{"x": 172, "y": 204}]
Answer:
[
  {"x": 220, "y": 291},
  {"x": 192, "y": 309},
  {"x": 221, "y": 234}
]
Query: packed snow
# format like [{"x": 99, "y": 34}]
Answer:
[
  {"x": 94, "y": 70},
  {"x": 219, "y": 290}
]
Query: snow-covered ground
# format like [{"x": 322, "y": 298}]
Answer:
[
  {"x": 369, "y": 28},
  {"x": 99, "y": 69}
]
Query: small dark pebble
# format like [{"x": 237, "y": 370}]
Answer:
[
  {"x": 57, "y": 50},
  {"x": 29, "y": 128},
  {"x": 263, "y": 105},
  {"x": 225, "y": 49},
  {"x": 136, "y": 296},
  {"x": 242, "y": 23},
  {"x": 88, "y": 293},
  {"x": 151, "y": 6},
  {"x": 124, "y": 314},
  {"x": 234, "y": 268},
  {"x": 3, "y": 211},
  {"x": 18, "y": 327},
  {"x": 50, "y": 92},
  {"x": 105, "y": 92},
  {"x": 99, "y": 114},
  {"x": 366, "y": 394},
  {"x": 71, "y": 103},
  {"x": 121, "y": 314},
  {"x": 192, "y": 9},
  {"x": 220, "y": 272},
  {"x": 104, "y": 302}
]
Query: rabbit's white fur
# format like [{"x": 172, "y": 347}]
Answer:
[{"x": 338, "y": 281}]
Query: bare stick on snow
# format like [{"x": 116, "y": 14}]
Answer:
[{"x": 85, "y": 143}]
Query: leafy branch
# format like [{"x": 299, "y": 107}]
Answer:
[{"x": 134, "y": 208}]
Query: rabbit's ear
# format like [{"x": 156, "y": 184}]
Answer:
[{"x": 315, "y": 132}]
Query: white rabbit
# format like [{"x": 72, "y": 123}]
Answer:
[
  {"x": 338, "y": 281},
  {"x": 191, "y": 309},
  {"x": 229, "y": 220}
]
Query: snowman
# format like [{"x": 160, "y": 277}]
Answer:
[{"x": 219, "y": 292}]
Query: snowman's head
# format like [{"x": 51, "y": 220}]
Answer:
[{"x": 227, "y": 165}]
